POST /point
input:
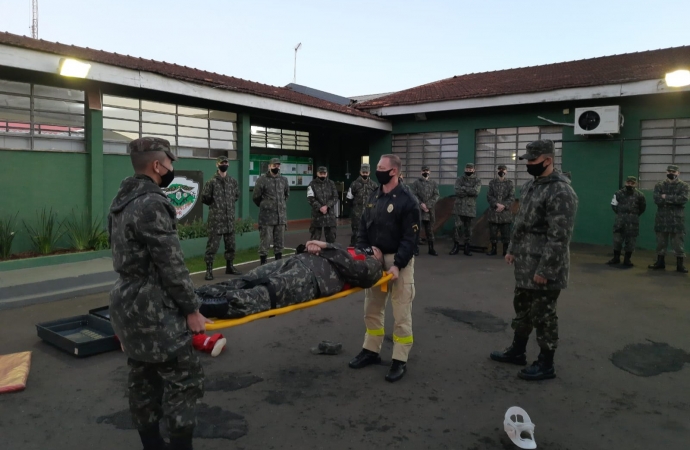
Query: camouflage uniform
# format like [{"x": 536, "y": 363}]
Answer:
[
  {"x": 426, "y": 192},
  {"x": 503, "y": 192},
  {"x": 322, "y": 193},
  {"x": 220, "y": 194},
  {"x": 284, "y": 282},
  {"x": 670, "y": 215},
  {"x": 626, "y": 228},
  {"x": 150, "y": 301},
  {"x": 465, "y": 208},
  {"x": 270, "y": 195},
  {"x": 359, "y": 193},
  {"x": 540, "y": 244}
]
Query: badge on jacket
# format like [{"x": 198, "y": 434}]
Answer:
[{"x": 390, "y": 208}]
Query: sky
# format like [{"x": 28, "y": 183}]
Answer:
[{"x": 356, "y": 47}]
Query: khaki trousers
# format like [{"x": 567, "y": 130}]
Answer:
[{"x": 401, "y": 292}]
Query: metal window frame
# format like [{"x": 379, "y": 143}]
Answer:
[
  {"x": 656, "y": 176},
  {"x": 419, "y": 139},
  {"x": 300, "y": 138}
]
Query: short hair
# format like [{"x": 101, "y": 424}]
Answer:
[
  {"x": 395, "y": 161},
  {"x": 141, "y": 160}
]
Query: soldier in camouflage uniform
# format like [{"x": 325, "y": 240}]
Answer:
[
  {"x": 539, "y": 248},
  {"x": 426, "y": 191},
  {"x": 221, "y": 193},
  {"x": 628, "y": 204},
  {"x": 324, "y": 270},
  {"x": 322, "y": 196},
  {"x": 359, "y": 193},
  {"x": 500, "y": 198},
  {"x": 670, "y": 196},
  {"x": 153, "y": 308},
  {"x": 467, "y": 189},
  {"x": 271, "y": 192}
]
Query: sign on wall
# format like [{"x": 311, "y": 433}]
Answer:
[
  {"x": 298, "y": 170},
  {"x": 184, "y": 194}
]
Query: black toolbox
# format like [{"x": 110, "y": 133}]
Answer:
[{"x": 80, "y": 335}]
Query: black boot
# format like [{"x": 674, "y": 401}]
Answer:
[
  {"x": 505, "y": 249},
  {"x": 432, "y": 252},
  {"x": 515, "y": 354},
  {"x": 365, "y": 358},
  {"x": 541, "y": 369},
  {"x": 493, "y": 251},
  {"x": 626, "y": 261},
  {"x": 181, "y": 440},
  {"x": 660, "y": 263},
  {"x": 279, "y": 256},
  {"x": 209, "y": 272},
  {"x": 151, "y": 438},
  {"x": 230, "y": 269},
  {"x": 416, "y": 250},
  {"x": 616, "y": 258},
  {"x": 263, "y": 259},
  {"x": 397, "y": 371},
  {"x": 466, "y": 250},
  {"x": 456, "y": 249},
  {"x": 679, "y": 265}
]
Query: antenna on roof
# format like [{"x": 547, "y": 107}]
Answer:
[
  {"x": 34, "y": 19},
  {"x": 294, "y": 77}
]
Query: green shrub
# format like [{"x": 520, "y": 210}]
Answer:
[
  {"x": 192, "y": 230},
  {"x": 103, "y": 242},
  {"x": 47, "y": 232},
  {"x": 83, "y": 232},
  {"x": 244, "y": 225},
  {"x": 7, "y": 227}
]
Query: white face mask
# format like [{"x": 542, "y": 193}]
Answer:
[{"x": 519, "y": 427}]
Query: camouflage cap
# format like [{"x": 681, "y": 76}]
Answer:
[
  {"x": 469, "y": 166},
  {"x": 151, "y": 144},
  {"x": 673, "y": 167},
  {"x": 632, "y": 178},
  {"x": 274, "y": 161},
  {"x": 426, "y": 168},
  {"x": 322, "y": 169},
  {"x": 365, "y": 168},
  {"x": 502, "y": 166},
  {"x": 222, "y": 159},
  {"x": 537, "y": 148}
]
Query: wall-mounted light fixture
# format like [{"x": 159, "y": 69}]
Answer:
[
  {"x": 72, "y": 68},
  {"x": 679, "y": 78}
]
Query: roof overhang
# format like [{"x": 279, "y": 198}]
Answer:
[
  {"x": 20, "y": 58},
  {"x": 560, "y": 95}
]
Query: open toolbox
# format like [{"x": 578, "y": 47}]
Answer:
[{"x": 80, "y": 335}]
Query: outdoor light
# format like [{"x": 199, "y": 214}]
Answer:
[
  {"x": 73, "y": 68},
  {"x": 679, "y": 78}
]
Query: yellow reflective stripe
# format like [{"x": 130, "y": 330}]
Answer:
[
  {"x": 403, "y": 340},
  {"x": 379, "y": 332}
]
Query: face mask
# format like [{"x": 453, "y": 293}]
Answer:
[
  {"x": 167, "y": 178},
  {"x": 384, "y": 176},
  {"x": 501, "y": 174},
  {"x": 468, "y": 174},
  {"x": 275, "y": 171},
  {"x": 364, "y": 177},
  {"x": 321, "y": 178},
  {"x": 671, "y": 176},
  {"x": 425, "y": 175},
  {"x": 223, "y": 168},
  {"x": 536, "y": 169},
  {"x": 630, "y": 188}
]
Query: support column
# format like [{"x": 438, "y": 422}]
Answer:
[
  {"x": 245, "y": 143},
  {"x": 94, "y": 146}
]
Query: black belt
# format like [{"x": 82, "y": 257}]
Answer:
[{"x": 265, "y": 282}]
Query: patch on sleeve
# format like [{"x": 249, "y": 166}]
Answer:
[
  {"x": 415, "y": 227},
  {"x": 310, "y": 192}
]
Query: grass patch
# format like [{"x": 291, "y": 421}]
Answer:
[{"x": 197, "y": 264}]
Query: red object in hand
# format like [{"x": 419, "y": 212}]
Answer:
[{"x": 209, "y": 344}]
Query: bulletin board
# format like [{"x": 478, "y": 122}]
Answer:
[{"x": 298, "y": 170}]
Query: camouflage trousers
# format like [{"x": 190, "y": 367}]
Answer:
[
  {"x": 621, "y": 241},
  {"x": 288, "y": 279},
  {"x": 463, "y": 226},
  {"x": 169, "y": 390},
  {"x": 271, "y": 234},
  {"x": 355, "y": 229},
  {"x": 213, "y": 244},
  {"x": 677, "y": 240},
  {"x": 495, "y": 229},
  {"x": 536, "y": 309},
  {"x": 428, "y": 226},
  {"x": 329, "y": 231}
]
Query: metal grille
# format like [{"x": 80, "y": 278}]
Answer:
[
  {"x": 439, "y": 151},
  {"x": 663, "y": 142},
  {"x": 192, "y": 132},
  {"x": 263, "y": 137},
  {"x": 494, "y": 146}
]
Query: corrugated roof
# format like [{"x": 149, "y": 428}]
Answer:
[
  {"x": 178, "y": 72},
  {"x": 616, "y": 69}
]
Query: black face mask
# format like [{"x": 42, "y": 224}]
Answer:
[
  {"x": 223, "y": 168},
  {"x": 468, "y": 174},
  {"x": 167, "y": 178},
  {"x": 321, "y": 178},
  {"x": 501, "y": 174},
  {"x": 630, "y": 188},
  {"x": 384, "y": 176},
  {"x": 425, "y": 175},
  {"x": 536, "y": 169},
  {"x": 671, "y": 176},
  {"x": 275, "y": 171},
  {"x": 364, "y": 177}
]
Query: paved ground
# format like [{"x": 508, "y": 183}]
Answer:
[{"x": 267, "y": 391}]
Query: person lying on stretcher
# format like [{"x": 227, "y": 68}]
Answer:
[{"x": 317, "y": 270}]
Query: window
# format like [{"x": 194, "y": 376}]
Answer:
[
  {"x": 192, "y": 132},
  {"x": 663, "y": 142},
  {"x": 263, "y": 137},
  {"x": 35, "y": 117},
  {"x": 494, "y": 146},
  {"x": 439, "y": 151}
]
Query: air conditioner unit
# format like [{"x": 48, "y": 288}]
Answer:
[{"x": 597, "y": 120}]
